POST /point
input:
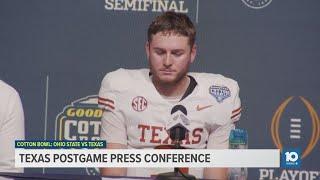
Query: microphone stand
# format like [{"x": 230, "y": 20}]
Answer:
[
  {"x": 176, "y": 146},
  {"x": 176, "y": 175}
]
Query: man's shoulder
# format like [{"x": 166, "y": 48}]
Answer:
[
  {"x": 6, "y": 89},
  {"x": 7, "y": 94},
  {"x": 124, "y": 78},
  {"x": 210, "y": 79}
]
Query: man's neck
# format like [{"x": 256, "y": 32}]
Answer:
[{"x": 172, "y": 90}]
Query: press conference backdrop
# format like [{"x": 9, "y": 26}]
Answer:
[{"x": 55, "y": 53}]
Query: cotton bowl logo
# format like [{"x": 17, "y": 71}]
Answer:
[
  {"x": 81, "y": 120},
  {"x": 257, "y": 4},
  {"x": 219, "y": 92},
  {"x": 299, "y": 125}
]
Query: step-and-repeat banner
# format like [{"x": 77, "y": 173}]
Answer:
[{"x": 55, "y": 53}]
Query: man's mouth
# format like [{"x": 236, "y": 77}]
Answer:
[{"x": 166, "y": 71}]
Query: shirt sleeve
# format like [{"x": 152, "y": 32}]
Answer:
[
  {"x": 236, "y": 111},
  {"x": 113, "y": 128},
  {"x": 219, "y": 135},
  {"x": 12, "y": 128}
]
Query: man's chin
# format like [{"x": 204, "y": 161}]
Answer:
[{"x": 167, "y": 80}]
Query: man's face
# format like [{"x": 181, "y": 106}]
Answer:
[{"x": 169, "y": 56}]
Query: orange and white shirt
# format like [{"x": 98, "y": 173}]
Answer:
[{"x": 136, "y": 114}]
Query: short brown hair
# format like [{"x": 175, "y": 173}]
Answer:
[{"x": 172, "y": 22}]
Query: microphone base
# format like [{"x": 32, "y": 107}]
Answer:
[{"x": 174, "y": 176}]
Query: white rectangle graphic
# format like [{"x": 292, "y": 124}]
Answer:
[
  {"x": 295, "y": 131},
  {"x": 295, "y": 137},
  {"x": 295, "y": 125},
  {"x": 147, "y": 158},
  {"x": 295, "y": 120}
]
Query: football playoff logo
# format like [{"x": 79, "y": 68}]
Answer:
[{"x": 291, "y": 156}]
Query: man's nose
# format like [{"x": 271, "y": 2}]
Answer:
[{"x": 167, "y": 61}]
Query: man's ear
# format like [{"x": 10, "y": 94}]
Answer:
[
  {"x": 193, "y": 52},
  {"x": 147, "y": 48}
]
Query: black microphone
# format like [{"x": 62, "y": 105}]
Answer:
[{"x": 178, "y": 125}]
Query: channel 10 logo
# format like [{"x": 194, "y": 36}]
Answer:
[
  {"x": 300, "y": 128},
  {"x": 291, "y": 158},
  {"x": 81, "y": 120}
]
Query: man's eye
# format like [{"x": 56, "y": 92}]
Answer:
[
  {"x": 177, "y": 54},
  {"x": 160, "y": 52}
]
